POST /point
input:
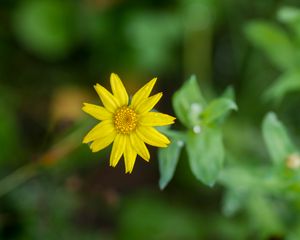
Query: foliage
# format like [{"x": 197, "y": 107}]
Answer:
[
  {"x": 203, "y": 133},
  {"x": 232, "y": 168},
  {"x": 281, "y": 48}
]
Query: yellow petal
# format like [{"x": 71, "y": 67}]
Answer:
[
  {"x": 139, "y": 146},
  {"x": 129, "y": 156},
  {"x": 101, "y": 143},
  {"x": 108, "y": 100},
  {"x": 148, "y": 103},
  {"x": 118, "y": 89},
  {"x": 117, "y": 149},
  {"x": 143, "y": 93},
  {"x": 152, "y": 136},
  {"x": 97, "y": 112},
  {"x": 155, "y": 119},
  {"x": 101, "y": 130}
]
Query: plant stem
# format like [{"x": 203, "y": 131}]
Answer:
[{"x": 17, "y": 178}]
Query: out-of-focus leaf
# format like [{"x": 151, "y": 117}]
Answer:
[
  {"x": 206, "y": 154},
  {"x": 232, "y": 202},
  {"x": 276, "y": 138},
  {"x": 290, "y": 16},
  {"x": 229, "y": 93},
  {"x": 153, "y": 49},
  {"x": 149, "y": 217},
  {"x": 263, "y": 210},
  {"x": 188, "y": 103},
  {"x": 245, "y": 176},
  {"x": 250, "y": 179},
  {"x": 57, "y": 208},
  {"x": 273, "y": 41},
  {"x": 287, "y": 82},
  {"x": 46, "y": 28},
  {"x": 217, "y": 110},
  {"x": 168, "y": 159},
  {"x": 293, "y": 234}
]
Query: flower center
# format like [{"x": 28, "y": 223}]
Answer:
[{"x": 125, "y": 120}]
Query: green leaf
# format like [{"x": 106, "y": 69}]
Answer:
[
  {"x": 232, "y": 202},
  {"x": 288, "y": 14},
  {"x": 47, "y": 28},
  {"x": 188, "y": 103},
  {"x": 217, "y": 110},
  {"x": 276, "y": 138},
  {"x": 266, "y": 212},
  {"x": 273, "y": 41},
  {"x": 229, "y": 93},
  {"x": 286, "y": 83},
  {"x": 206, "y": 154},
  {"x": 246, "y": 176},
  {"x": 168, "y": 159},
  {"x": 152, "y": 49},
  {"x": 291, "y": 17}
]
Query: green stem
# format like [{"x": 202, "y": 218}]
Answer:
[
  {"x": 25, "y": 173},
  {"x": 16, "y": 178}
]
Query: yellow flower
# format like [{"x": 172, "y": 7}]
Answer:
[{"x": 128, "y": 125}]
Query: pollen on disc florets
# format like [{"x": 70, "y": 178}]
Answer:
[{"x": 125, "y": 120}]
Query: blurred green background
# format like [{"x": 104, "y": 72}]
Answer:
[{"x": 51, "y": 54}]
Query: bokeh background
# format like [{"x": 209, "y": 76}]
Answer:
[{"x": 52, "y": 52}]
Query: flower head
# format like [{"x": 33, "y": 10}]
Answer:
[{"x": 126, "y": 124}]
